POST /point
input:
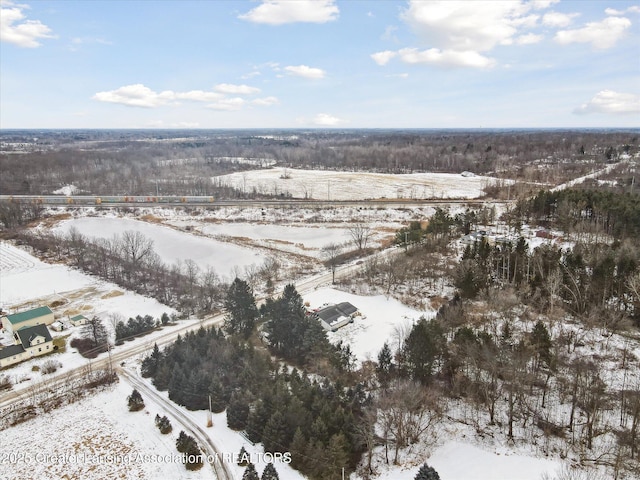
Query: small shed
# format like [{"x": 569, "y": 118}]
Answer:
[
  {"x": 57, "y": 326},
  {"x": 78, "y": 320}
]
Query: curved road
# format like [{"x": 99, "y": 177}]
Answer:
[{"x": 221, "y": 469}]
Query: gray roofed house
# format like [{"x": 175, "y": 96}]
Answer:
[
  {"x": 30, "y": 342},
  {"x": 29, "y": 335},
  {"x": 333, "y": 317}
]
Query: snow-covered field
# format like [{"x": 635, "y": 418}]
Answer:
[
  {"x": 331, "y": 185},
  {"x": 172, "y": 246},
  {"x": 23, "y": 277}
]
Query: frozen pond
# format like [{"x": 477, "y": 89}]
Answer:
[{"x": 172, "y": 246}]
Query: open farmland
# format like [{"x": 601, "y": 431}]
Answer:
[{"x": 331, "y": 185}]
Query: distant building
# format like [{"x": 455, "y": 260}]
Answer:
[
  {"x": 28, "y": 318},
  {"x": 30, "y": 342},
  {"x": 332, "y": 317},
  {"x": 473, "y": 238},
  {"x": 78, "y": 320}
]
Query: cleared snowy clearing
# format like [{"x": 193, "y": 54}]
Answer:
[
  {"x": 172, "y": 246},
  {"x": 330, "y": 185},
  {"x": 461, "y": 461},
  {"x": 368, "y": 333}
]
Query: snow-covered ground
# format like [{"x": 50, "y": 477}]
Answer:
[
  {"x": 112, "y": 442},
  {"x": 380, "y": 317},
  {"x": 172, "y": 246},
  {"x": 27, "y": 282},
  {"x": 456, "y": 460},
  {"x": 331, "y": 185}
]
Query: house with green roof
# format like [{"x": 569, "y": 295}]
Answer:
[{"x": 28, "y": 318}]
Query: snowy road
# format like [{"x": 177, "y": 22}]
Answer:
[{"x": 204, "y": 440}]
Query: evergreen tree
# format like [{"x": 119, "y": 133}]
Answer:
[
  {"x": 237, "y": 412},
  {"x": 244, "y": 458},
  {"x": 541, "y": 342},
  {"x": 385, "y": 359},
  {"x": 150, "y": 363},
  {"x": 270, "y": 473},
  {"x": 182, "y": 442},
  {"x": 240, "y": 305},
  {"x": 275, "y": 437},
  {"x": 423, "y": 349},
  {"x": 250, "y": 473},
  {"x": 258, "y": 418},
  {"x": 95, "y": 330},
  {"x": 135, "y": 401},
  {"x": 427, "y": 473},
  {"x": 298, "y": 449},
  {"x": 338, "y": 456},
  {"x": 163, "y": 424}
]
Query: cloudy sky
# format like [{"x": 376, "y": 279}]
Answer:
[{"x": 319, "y": 63}]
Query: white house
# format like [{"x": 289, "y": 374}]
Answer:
[{"x": 30, "y": 342}]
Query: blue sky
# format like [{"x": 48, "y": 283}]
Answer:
[{"x": 319, "y": 63}]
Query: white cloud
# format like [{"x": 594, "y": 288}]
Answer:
[
  {"x": 398, "y": 75},
  {"x": 382, "y": 58},
  {"x": 613, "y": 11},
  {"x": 601, "y": 35},
  {"x": 265, "y": 102},
  {"x": 557, "y": 19},
  {"x": 198, "y": 96},
  {"x": 305, "y": 71},
  {"x": 15, "y": 29},
  {"x": 279, "y": 12},
  {"x": 608, "y": 101},
  {"x": 236, "y": 89},
  {"x": 389, "y": 33},
  {"x": 326, "y": 120},
  {"x": 163, "y": 124},
  {"x": 459, "y": 32},
  {"x": 446, "y": 58},
  {"x": 464, "y": 25},
  {"x": 138, "y": 95},
  {"x": 228, "y": 104},
  {"x": 539, "y": 4},
  {"x": 529, "y": 39}
]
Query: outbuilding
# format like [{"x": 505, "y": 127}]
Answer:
[{"x": 28, "y": 318}]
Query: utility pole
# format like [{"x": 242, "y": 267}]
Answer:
[
  {"x": 110, "y": 364},
  {"x": 209, "y": 419}
]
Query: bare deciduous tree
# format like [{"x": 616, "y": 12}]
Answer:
[{"x": 360, "y": 234}]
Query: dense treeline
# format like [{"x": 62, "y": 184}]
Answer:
[
  {"x": 585, "y": 210},
  {"x": 283, "y": 409},
  {"x": 137, "y": 325},
  {"x": 182, "y": 162}
]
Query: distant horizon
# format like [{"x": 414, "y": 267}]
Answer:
[
  {"x": 325, "y": 129},
  {"x": 319, "y": 64}
]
